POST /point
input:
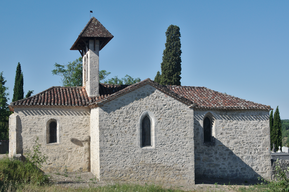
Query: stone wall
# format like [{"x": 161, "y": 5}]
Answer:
[
  {"x": 170, "y": 159},
  {"x": 94, "y": 145},
  {"x": 241, "y": 147},
  {"x": 280, "y": 165},
  {"x": 71, "y": 152},
  {"x": 13, "y": 135}
]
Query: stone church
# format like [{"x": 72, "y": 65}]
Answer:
[{"x": 141, "y": 132}]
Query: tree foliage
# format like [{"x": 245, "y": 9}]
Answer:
[
  {"x": 277, "y": 132},
  {"x": 158, "y": 78},
  {"x": 4, "y": 112},
  {"x": 285, "y": 132},
  {"x": 18, "y": 92},
  {"x": 127, "y": 80},
  {"x": 103, "y": 74},
  {"x": 72, "y": 75},
  {"x": 29, "y": 93},
  {"x": 171, "y": 64}
]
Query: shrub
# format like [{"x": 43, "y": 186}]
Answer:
[
  {"x": 14, "y": 172},
  {"x": 36, "y": 157},
  {"x": 280, "y": 182}
]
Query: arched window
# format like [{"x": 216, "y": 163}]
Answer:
[
  {"x": 207, "y": 130},
  {"x": 146, "y": 131},
  {"x": 52, "y": 132}
]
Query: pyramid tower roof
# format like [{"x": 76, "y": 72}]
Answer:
[{"x": 93, "y": 30}]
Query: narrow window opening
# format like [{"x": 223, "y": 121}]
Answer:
[
  {"x": 207, "y": 130},
  {"x": 146, "y": 132},
  {"x": 52, "y": 132},
  {"x": 86, "y": 67}
]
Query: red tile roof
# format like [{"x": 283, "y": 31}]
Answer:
[
  {"x": 67, "y": 96},
  {"x": 205, "y": 98},
  {"x": 135, "y": 86},
  {"x": 197, "y": 97}
]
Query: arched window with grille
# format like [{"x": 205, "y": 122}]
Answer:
[{"x": 146, "y": 132}]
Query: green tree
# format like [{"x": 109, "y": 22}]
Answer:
[
  {"x": 4, "y": 112},
  {"x": 29, "y": 93},
  {"x": 171, "y": 65},
  {"x": 103, "y": 74},
  {"x": 158, "y": 77},
  {"x": 277, "y": 126},
  {"x": 72, "y": 75},
  {"x": 18, "y": 92},
  {"x": 271, "y": 129},
  {"x": 127, "y": 80}
]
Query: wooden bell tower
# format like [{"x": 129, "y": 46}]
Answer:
[{"x": 90, "y": 41}]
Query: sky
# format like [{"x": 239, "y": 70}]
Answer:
[{"x": 235, "y": 47}]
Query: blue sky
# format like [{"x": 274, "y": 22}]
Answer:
[{"x": 235, "y": 47}]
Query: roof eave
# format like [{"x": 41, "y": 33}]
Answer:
[{"x": 103, "y": 42}]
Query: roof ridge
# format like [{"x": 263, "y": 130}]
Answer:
[
  {"x": 137, "y": 85},
  {"x": 184, "y": 86}
]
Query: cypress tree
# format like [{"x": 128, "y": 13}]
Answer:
[
  {"x": 158, "y": 77},
  {"x": 18, "y": 92},
  {"x": 271, "y": 130},
  {"x": 171, "y": 65},
  {"x": 4, "y": 113},
  {"x": 277, "y": 126},
  {"x": 29, "y": 93}
]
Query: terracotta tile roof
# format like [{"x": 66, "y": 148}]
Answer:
[
  {"x": 205, "y": 98},
  {"x": 66, "y": 96},
  {"x": 196, "y": 97},
  {"x": 135, "y": 86},
  {"x": 93, "y": 29}
]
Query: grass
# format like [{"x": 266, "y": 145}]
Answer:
[
  {"x": 140, "y": 188},
  {"x": 109, "y": 188},
  {"x": 38, "y": 182}
]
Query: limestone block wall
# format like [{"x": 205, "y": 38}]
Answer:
[
  {"x": 12, "y": 135},
  {"x": 94, "y": 143},
  {"x": 71, "y": 151},
  {"x": 241, "y": 148},
  {"x": 279, "y": 165},
  {"x": 169, "y": 160}
]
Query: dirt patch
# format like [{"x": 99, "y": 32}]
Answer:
[{"x": 3, "y": 156}]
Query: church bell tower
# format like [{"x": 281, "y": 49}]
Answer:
[{"x": 90, "y": 41}]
